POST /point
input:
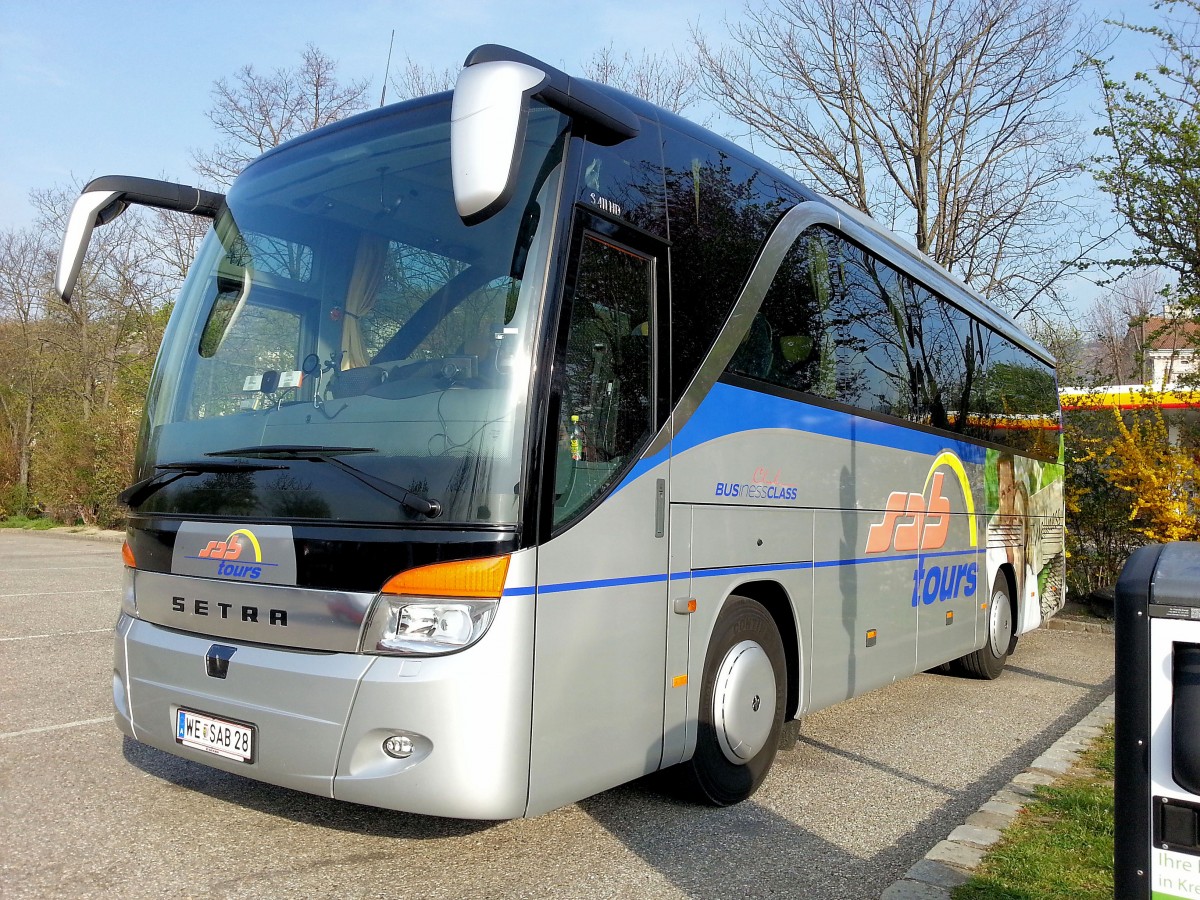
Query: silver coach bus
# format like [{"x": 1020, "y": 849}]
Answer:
[{"x": 509, "y": 444}]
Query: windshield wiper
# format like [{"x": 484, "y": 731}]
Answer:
[
  {"x": 138, "y": 492},
  {"x": 429, "y": 508}
]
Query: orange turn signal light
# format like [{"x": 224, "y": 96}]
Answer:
[
  {"x": 462, "y": 578},
  {"x": 127, "y": 555}
]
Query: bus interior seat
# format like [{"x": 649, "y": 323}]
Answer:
[
  {"x": 755, "y": 355},
  {"x": 359, "y": 380}
]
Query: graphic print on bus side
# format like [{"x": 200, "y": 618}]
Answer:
[{"x": 920, "y": 522}]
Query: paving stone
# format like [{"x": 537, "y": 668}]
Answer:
[
  {"x": 1050, "y": 764},
  {"x": 1009, "y": 797},
  {"x": 973, "y": 834},
  {"x": 936, "y": 873},
  {"x": 1004, "y": 807},
  {"x": 1023, "y": 790},
  {"x": 1033, "y": 779},
  {"x": 1065, "y": 745},
  {"x": 1057, "y": 754},
  {"x": 994, "y": 821},
  {"x": 914, "y": 890},
  {"x": 1064, "y": 749},
  {"x": 956, "y": 854}
]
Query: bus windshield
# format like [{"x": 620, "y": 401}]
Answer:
[{"x": 341, "y": 312}]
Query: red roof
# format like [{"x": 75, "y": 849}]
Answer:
[{"x": 1166, "y": 334}]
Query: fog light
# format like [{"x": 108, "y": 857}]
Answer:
[{"x": 398, "y": 746}]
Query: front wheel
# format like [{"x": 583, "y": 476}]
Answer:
[
  {"x": 988, "y": 661},
  {"x": 742, "y": 701}
]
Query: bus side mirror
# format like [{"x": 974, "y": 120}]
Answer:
[
  {"x": 105, "y": 198},
  {"x": 91, "y": 209},
  {"x": 487, "y": 131},
  {"x": 490, "y": 112}
]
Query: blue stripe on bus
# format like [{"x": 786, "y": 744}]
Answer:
[
  {"x": 729, "y": 409},
  {"x": 721, "y": 572}
]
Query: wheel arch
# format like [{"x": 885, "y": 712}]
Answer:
[
  {"x": 1014, "y": 598},
  {"x": 1010, "y": 578},
  {"x": 774, "y": 597}
]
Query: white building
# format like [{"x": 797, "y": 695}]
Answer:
[{"x": 1170, "y": 351}]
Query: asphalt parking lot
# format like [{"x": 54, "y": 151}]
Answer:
[{"x": 869, "y": 787}]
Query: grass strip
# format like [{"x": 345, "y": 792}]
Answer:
[
  {"x": 1061, "y": 845},
  {"x": 27, "y": 523}
]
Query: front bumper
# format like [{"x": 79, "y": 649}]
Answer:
[{"x": 322, "y": 718}]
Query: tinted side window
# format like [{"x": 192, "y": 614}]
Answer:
[
  {"x": 946, "y": 359},
  {"x": 1015, "y": 401},
  {"x": 720, "y": 211},
  {"x": 626, "y": 180},
  {"x": 840, "y": 323},
  {"x": 873, "y": 317},
  {"x": 787, "y": 344}
]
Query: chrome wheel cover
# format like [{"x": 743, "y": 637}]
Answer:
[
  {"x": 999, "y": 624},
  {"x": 744, "y": 701}
]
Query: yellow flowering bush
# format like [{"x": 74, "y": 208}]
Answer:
[{"x": 1160, "y": 477}]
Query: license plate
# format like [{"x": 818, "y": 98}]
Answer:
[{"x": 232, "y": 740}]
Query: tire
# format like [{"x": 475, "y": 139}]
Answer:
[
  {"x": 988, "y": 661},
  {"x": 742, "y": 701}
]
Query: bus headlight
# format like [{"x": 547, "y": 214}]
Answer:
[
  {"x": 423, "y": 626},
  {"x": 437, "y": 608},
  {"x": 129, "y": 593}
]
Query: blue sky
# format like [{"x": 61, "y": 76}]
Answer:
[{"x": 91, "y": 89}]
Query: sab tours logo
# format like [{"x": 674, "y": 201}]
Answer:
[
  {"x": 238, "y": 556},
  {"x": 208, "y": 550},
  {"x": 921, "y": 523}
]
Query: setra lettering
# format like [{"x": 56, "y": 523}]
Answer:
[{"x": 252, "y": 614}]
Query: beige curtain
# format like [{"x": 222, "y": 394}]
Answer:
[{"x": 360, "y": 297}]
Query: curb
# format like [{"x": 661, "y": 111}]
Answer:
[
  {"x": 951, "y": 862},
  {"x": 1091, "y": 626},
  {"x": 98, "y": 534}
]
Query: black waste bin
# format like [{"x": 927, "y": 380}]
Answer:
[{"x": 1157, "y": 827}]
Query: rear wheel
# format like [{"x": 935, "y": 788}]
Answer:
[
  {"x": 988, "y": 661},
  {"x": 742, "y": 701}
]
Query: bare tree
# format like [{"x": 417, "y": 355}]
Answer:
[
  {"x": 174, "y": 239},
  {"x": 254, "y": 112},
  {"x": 948, "y": 119},
  {"x": 24, "y": 290},
  {"x": 107, "y": 331},
  {"x": 669, "y": 81},
  {"x": 1116, "y": 324},
  {"x": 96, "y": 355},
  {"x": 1068, "y": 343},
  {"x": 415, "y": 80}
]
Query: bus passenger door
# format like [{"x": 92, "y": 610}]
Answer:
[{"x": 602, "y": 572}]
